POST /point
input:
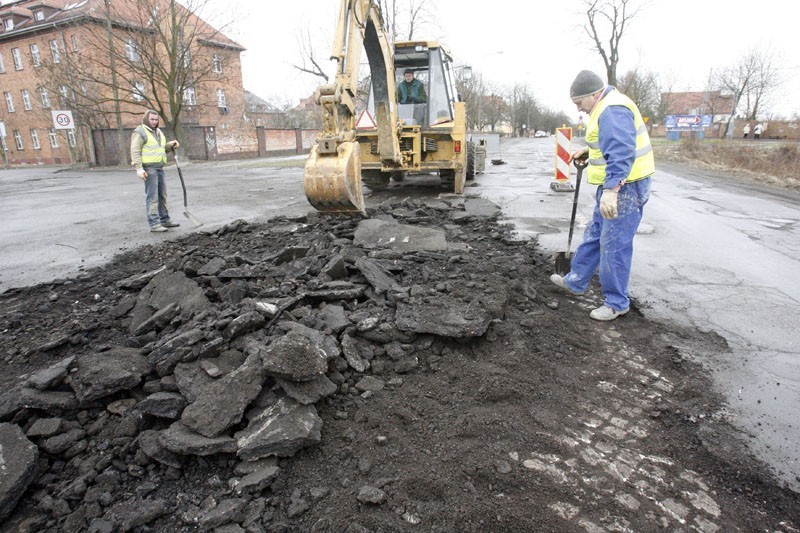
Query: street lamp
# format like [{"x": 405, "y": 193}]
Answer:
[{"x": 480, "y": 96}]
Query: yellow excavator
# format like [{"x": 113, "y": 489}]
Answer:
[{"x": 376, "y": 140}]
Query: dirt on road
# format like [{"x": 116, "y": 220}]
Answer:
[{"x": 545, "y": 421}]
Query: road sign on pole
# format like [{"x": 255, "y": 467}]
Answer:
[{"x": 62, "y": 120}]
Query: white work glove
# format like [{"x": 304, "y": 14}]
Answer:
[
  {"x": 608, "y": 204},
  {"x": 142, "y": 174}
]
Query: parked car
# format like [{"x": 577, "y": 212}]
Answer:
[{"x": 540, "y": 133}]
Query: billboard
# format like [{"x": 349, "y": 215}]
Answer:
[{"x": 687, "y": 122}]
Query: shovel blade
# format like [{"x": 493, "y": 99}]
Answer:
[
  {"x": 191, "y": 218},
  {"x": 563, "y": 263}
]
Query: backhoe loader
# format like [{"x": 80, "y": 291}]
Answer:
[{"x": 385, "y": 140}]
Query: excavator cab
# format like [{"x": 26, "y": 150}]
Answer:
[{"x": 431, "y": 133}]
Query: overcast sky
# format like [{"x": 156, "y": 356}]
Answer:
[{"x": 542, "y": 43}]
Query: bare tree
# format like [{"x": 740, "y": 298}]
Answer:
[
  {"x": 749, "y": 76},
  {"x": 764, "y": 81},
  {"x": 161, "y": 51},
  {"x": 643, "y": 88},
  {"x": 308, "y": 59},
  {"x": 607, "y": 20}
]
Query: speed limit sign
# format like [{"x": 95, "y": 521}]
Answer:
[{"x": 62, "y": 120}]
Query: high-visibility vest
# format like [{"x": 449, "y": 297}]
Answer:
[
  {"x": 643, "y": 166},
  {"x": 154, "y": 149}
]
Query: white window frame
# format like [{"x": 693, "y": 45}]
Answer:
[
  {"x": 138, "y": 91},
  {"x": 38, "y": 15},
  {"x": 189, "y": 96},
  {"x": 26, "y": 100},
  {"x": 63, "y": 92},
  {"x": 35, "y": 142},
  {"x": 8, "y": 24},
  {"x": 45, "y": 97},
  {"x": 52, "y": 134},
  {"x": 2, "y": 65},
  {"x": 216, "y": 64},
  {"x": 132, "y": 50},
  {"x": 221, "y": 100},
  {"x": 9, "y": 101},
  {"x": 54, "y": 51},
  {"x": 17, "y": 56},
  {"x": 36, "y": 56},
  {"x": 74, "y": 39},
  {"x": 18, "y": 140},
  {"x": 3, "y": 144},
  {"x": 71, "y": 138}
]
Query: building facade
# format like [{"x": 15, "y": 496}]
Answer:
[{"x": 106, "y": 62}]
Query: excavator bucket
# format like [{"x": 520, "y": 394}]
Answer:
[{"x": 332, "y": 181}]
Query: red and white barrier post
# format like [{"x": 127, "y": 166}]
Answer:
[{"x": 563, "y": 151}]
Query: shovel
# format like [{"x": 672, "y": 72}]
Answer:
[
  {"x": 564, "y": 259},
  {"x": 186, "y": 212}
]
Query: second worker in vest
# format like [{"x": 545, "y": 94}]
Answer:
[
  {"x": 620, "y": 163},
  {"x": 149, "y": 149}
]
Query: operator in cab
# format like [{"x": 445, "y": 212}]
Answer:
[{"x": 411, "y": 90}]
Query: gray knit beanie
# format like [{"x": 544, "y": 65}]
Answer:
[{"x": 586, "y": 83}]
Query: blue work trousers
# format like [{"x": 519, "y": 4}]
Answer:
[
  {"x": 608, "y": 246},
  {"x": 155, "y": 189}
]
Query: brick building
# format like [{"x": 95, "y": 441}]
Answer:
[{"x": 56, "y": 55}]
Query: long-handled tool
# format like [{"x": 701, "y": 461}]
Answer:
[
  {"x": 186, "y": 212},
  {"x": 564, "y": 259}
]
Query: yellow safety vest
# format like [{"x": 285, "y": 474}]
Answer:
[
  {"x": 643, "y": 166},
  {"x": 154, "y": 149}
]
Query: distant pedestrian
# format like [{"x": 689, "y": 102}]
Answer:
[
  {"x": 757, "y": 131},
  {"x": 149, "y": 149},
  {"x": 621, "y": 164},
  {"x": 746, "y": 130}
]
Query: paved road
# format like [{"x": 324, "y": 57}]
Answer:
[{"x": 711, "y": 255}]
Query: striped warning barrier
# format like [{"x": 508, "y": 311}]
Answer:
[{"x": 563, "y": 151}]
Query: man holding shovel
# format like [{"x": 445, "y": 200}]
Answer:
[
  {"x": 620, "y": 163},
  {"x": 149, "y": 149}
]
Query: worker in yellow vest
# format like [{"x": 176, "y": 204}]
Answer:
[
  {"x": 620, "y": 163},
  {"x": 149, "y": 149}
]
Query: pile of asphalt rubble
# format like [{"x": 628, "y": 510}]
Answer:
[{"x": 218, "y": 356}]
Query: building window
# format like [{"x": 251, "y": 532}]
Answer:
[
  {"x": 132, "y": 50},
  {"x": 71, "y": 139},
  {"x": 138, "y": 91},
  {"x": 2, "y": 64},
  {"x": 26, "y": 100},
  {"x": 55, "y": 52},
  {"x": 53, "y": 136},
  {"x": 36, "y": 57},
  {"x": 189, "y": 96},
  {"x": 216, "y": 64},
  {"x": 45, "y": 97},
  {"x": 187, "y": 57},
  {"x": 38, "y": 15},
  {"x": 63, "y": 93},
  {"x": 9, "y": 102},
  {"x": 35, "y": 140},
  {"x": 18, "y": 140},
  {"x": 74, "y": 39},
  {"x": 17, "y": 58},
  {"x": 9, "y": 24},
  {"x": 3, "y": 144},
  {"x": 221, "y": 102}
]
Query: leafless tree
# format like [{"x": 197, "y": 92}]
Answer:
[
  {"x": 751, "y": 78},
  {"x": 606, "y": 22},
  {"x": 159, "y": 49},
  {"x": 643, "y": 88},
  {"x": 309, "y": 64}
]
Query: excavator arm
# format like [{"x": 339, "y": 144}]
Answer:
[{"x": 332, "y": 178}]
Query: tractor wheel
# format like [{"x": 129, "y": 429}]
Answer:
[
  {"x": 470, "y": 161},
  {"x": 375, "y": 179}
]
